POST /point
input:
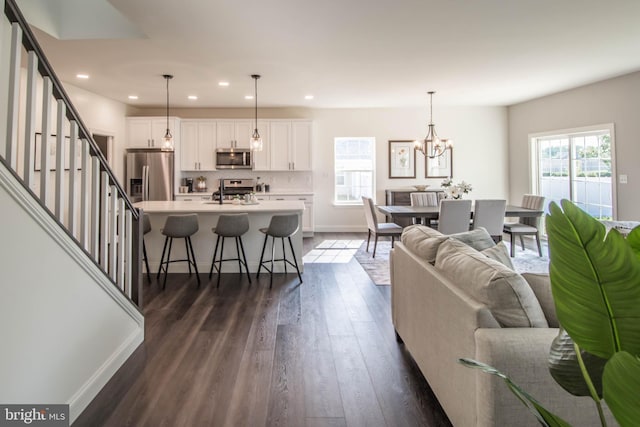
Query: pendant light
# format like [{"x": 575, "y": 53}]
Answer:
[
  {"x": 256, "y": 141},
  {"x": 168, "y": 138},
  {"x": 432, "y": 146}
]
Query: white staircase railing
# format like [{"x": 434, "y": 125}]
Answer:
[{"x": 57, "y": 160}]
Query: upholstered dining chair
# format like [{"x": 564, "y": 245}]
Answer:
[
  {"x": 454, "y": 216},
  {"x": 383, "y": 229},
  {"x": 489, "y": 214},
  {"x": 527, "y": 226},
  {"x": 423, "y": 199}
]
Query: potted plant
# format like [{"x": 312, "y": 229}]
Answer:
[{"x": 595, "y": 281}]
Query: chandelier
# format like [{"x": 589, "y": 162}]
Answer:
[
  {"x": 256, "y": 141},
  {"x": 432, "y": 146},
  {"x": 168, "y": 138}
]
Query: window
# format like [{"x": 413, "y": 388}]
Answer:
[
  {"x": 354, "y": 160},
  {"x": 577, "y": 165}
]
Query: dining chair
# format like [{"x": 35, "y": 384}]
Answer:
[
  {"x": 454, "y": 216},
  {"x": 526, "y": 226},
  {"x": 423, "y": 199},
  {"x": 489, "y": 214},
  {"x": 376, "y": 228}
]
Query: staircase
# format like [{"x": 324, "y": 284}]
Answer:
[{"x": 70, "y": 256}]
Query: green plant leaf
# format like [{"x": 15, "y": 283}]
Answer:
[
  {"x": 595, "y": 280},
  {"x": 633, "y": 238},
  {"x": 543, "y": 416},
  {"x": 565, "y": 369},
  {"x": 621, "y": 382}
]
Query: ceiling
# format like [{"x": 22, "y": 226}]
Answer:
[{"x": 347, "y": 53}]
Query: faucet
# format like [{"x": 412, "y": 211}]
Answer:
[{"x": 221, "y": 190}]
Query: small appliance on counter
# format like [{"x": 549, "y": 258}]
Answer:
[{"x": 231, "y": 188}]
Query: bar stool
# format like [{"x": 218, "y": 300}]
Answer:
[
  {"x": 230, "y": 226},
  {"x": 146, "y": 227},
  {"x": 280, "y": 226},
  {"x": 179, "y": 226}
]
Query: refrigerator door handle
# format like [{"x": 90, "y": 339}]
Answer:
[{"x": 145, "y": 182}]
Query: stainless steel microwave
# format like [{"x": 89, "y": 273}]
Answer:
[{"x": 233, "y": 158}]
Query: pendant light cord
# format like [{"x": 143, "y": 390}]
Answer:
[{"x": 167, "y": 77}]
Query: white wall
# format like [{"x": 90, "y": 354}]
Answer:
[
  {"x": 479, "y": 154},
  {"x": 480, "y": 151},
  {"x": 63, "y": 334},
  {"x": 611, "y": 101},
  {"x": 103, "y": 116}
]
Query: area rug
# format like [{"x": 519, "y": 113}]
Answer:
[{"x": 377, "y": 268}]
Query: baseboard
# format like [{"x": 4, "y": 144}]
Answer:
[
  {"x": 340, "y": 229},
  {"x": 83, "y": 397}
]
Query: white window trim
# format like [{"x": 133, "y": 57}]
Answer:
[
  {"x": 354, "y": 203},
  {"x": 533, "y": 157}
]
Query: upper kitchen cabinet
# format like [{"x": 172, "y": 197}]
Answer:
[
  {"x": 148, "y": 132},
  {"x": 234, "y": 133},
  {"x": 300, "y": 147},
  {"x": 198, "y": 145},
  {"x": 291, "y": 145},
  {"x": 261, "y": 159}
]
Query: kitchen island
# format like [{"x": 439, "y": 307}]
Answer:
[{"x": 204, "y": 240}]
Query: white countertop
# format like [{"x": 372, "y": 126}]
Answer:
[{"x": 199, "y": 206}]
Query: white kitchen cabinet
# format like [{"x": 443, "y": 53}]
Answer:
[
  {"x": 279, "y": 137},
  {"x": 198, "y": 145},
  {"x": 307, "y": 216},
  {"x": 300, "y": 145},
  {"x": 233, "y": 133},
  {"x": 290, "y": 145},
  {"x": 148, "y": 132}
]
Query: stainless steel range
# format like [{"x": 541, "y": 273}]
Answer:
[{"x": 229, "y": 188}]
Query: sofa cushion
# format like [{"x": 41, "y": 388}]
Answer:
[
  {"x": 499, "y": 253},
  {"x": 479, "y": 239},
  {"x": 422, "y": 241},
  {"x": 506, "y": 293},
  {"x": 541, "y": 285}
]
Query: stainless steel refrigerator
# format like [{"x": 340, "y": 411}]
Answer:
[{"x": 149, "y": 174}]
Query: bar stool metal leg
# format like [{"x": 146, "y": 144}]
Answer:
[
  {"x": 294, "y": 259},
  {"x": 230, "y": 226}
]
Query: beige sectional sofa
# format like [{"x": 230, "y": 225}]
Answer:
[{"x": 451, "y": 301}]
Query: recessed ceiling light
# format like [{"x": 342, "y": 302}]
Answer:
[
  {"x": 248, "y": 97},
  {"x": 308, "y": 97},
  {"x": 192, "y": 97},
  {"x": 223, "y": 83},
  {"x": 82, "y": 76},
  {"x": 134, "y": 97}
]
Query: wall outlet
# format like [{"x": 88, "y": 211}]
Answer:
[{"x": 622, "y": 178}]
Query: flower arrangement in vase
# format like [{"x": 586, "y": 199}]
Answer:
[{"x": 455, "y": 191}]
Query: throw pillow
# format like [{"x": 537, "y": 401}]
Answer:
[
  {"x": 479, "y": 239},
  {"x": 499, "y": 253},
  {"x": 423, "y": 241},
  {"x": 502, "y": 290},
  {"x": 541, "y": 285}
]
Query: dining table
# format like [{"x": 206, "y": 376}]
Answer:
[{"x": 432, "y": 212}]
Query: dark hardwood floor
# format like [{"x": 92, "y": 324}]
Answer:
[{"x": 322, "y": 353}]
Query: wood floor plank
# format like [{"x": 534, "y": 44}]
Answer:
[
  {"x": 396, "y": 400},
  {"x": 321, "y": 389},
  {"x": 361, "y": 406},
  {"x": 286, "y": 406},
  {"x": 335, "y": 312},
  {"x": 318, "y": 354},
  {"x": 326, "y": 422}
]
